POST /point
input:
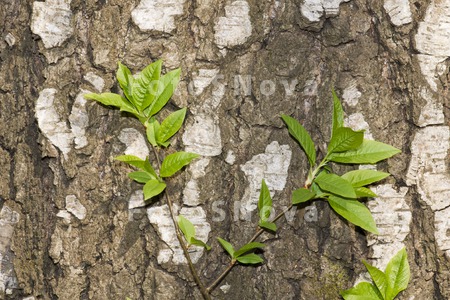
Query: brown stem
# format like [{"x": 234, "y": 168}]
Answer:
[
  {"x": 233, "y": 262},
  {"x": 198, "y": 281}
]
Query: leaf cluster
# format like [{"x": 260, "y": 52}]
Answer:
[
  {"x": 242, "y": 255},
  {"x": 386, "y": 285},
  {"x": 346, "y": 146},
  {"x": 144, "y": 96}
]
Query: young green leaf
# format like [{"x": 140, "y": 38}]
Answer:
[
  {"x": 196, "y": 242},
  {"x": 112, "y": 99},
  {"x": 248, "y": 247},
  {"x": 166, "y": 87},
  {"x": 302, "y": 136},
  {"x": 151, "y": 131},
  {"x": 397, "y": 274},
  {"x": 338, "y": 113},
  {"x": 153, "y": 188},
  {"x": 267, "y": 225},
  {"x": 334, "y": 184},
  {"x": 302, "y": 195},
  {"x": 378, "y": 277},
  {"x": 250, "y": 259},
  {"x": 141, "y": 176},
  {"x": 353, "y": 211},
  {"x": 138, "y": 163},
  {"x": 170, "y": 126},
  {"x": 363, "y": 291},
  {"x": 360, "y": 178},
  {"x": 345, "y": 139},
  {"x": 265, "y": 202},
  {"x": 143, "y": 83},
  {"x": 186, "y": 227},
  {"x": 227, "y": 246},
  {"x": 362, "y": 192},
  {"x": 175, "y": 161},
  {"x": 370, "y": 152},
  {"x": 125, "y": 79}
]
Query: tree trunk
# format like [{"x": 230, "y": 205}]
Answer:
[{"x": 74, "y": 226}]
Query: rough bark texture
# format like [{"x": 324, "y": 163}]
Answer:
[{"x": 71, "y": 222}]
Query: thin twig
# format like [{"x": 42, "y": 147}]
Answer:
[
  {"x": 233, "y": 262},
  {"x": 198, "y": 281}
]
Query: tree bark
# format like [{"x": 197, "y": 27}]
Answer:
[{"x": 74, "y": 226}]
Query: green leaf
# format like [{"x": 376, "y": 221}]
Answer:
[
  {"x": 353, "y": 211},
  {"x": 267, "y": 225},
  {"x": 138, "y": 163},
  {"x": 112, "y": 99},
  {"x": 265, "y": 202},
  {"x": 360, "y": 178},
  {"x": 302, "y": 136},
  {"x": 397, "y": 274},
  {"x": 248, "y": 247},
  {"x": 141, "y": 176},
  {"x": 363, "y": 291},
  {"x": 152, "y": 130},
  {"x": 315, "y": 188},
  {"x": 175, "y": 161},
  {"x": 125, "y": 79},
  {"x": 362, "y": 192},
  {"x": 338, "y": 113},
  {"x": 250, "y": 259},
  {"x": 302, "y": 195},
  {"x": 378, "y": 277},
  {"x": 227, "y": 246},
  {"x": 143, "y": 83},
  {"x": 334, "y": 184},
  {"x": 345, "y": 139},
  {"x": 196, "y": 242},
  {"x": 153, "y": 188},
  {"x": 166, "y": 87},
  {"x": 170, "y": 126},
  {"x": 186, "y": 227},
  {"x": 370, "y": 152}
]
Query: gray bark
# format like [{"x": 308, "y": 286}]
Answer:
[{"x": 67, "y": 229}]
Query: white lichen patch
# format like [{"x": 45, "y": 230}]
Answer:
[
  {"x": 79, "y": 121},
  {"x": 96, "y": 81},
  {"x": 351, "y": 95},
  {"x": 432, "y": 44},
  {"x": 160, "y": 218},
  {"x": 393, "y": 217},
  {"x": 10, "y": 39},
  {"x": 432, "y": 112},
  {"x": 51, "y": 123},
  {"x": 51, "y": 20},
  {"x": 313, "y": 10},
  {"x": 428, "y": 169},
  {"x": 235, "y": 28},
  {"x": 74, "y": 206},
  {"x": 231, "y": 158},
  {"x": 203, "y": 79},
  {"x": 136, "y": 200},
  {"x": 8, "y": 220},
  {"x": 356, "y": 121},
  {"x": 272, "y": 166},
  {"x": 398, "y": 11},
  {"x": 157, "y": 14},
  {"x": 203, "y": 136},
  {"x": 191, "y": 192},
  {"x": 135, "y": 142},
  {"x": 442, "y": 234}
]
